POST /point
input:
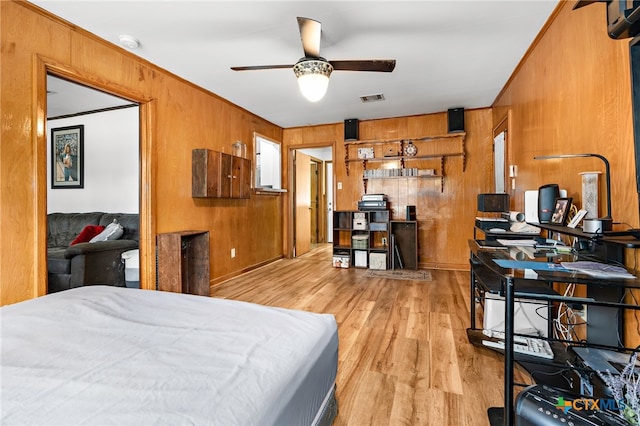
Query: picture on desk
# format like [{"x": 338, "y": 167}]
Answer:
[{"x": 561, "y": 211}]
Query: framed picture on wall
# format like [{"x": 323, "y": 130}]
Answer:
[
  {"x": 561, "y": 211},
  {"x": 67, "y": 157}
]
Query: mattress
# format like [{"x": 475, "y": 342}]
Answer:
[{"x": 109, "y": 355}]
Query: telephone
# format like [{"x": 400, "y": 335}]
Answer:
[{"x": 524, "y": 227}]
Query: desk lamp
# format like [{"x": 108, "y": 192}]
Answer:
[{"x": 607, "y": 221}]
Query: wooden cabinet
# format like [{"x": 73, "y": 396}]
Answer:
[
  {"x": 215, "y": 174},
  {"x": 357, "y": 235},
  {"x": 183, "y": 262},
  {"x": 404, "y": 236}
]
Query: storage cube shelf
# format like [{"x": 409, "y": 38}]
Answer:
[{"x": 359, "y": 234}]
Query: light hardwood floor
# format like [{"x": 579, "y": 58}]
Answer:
[{"x": 403, "y": 357}]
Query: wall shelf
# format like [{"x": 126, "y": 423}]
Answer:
[{"x": 399, "y": 145}]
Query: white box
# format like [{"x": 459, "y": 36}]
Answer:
[
  {"x": 360, "y": 224},
  {"x": 360, "y": 259},
  {"x": 378, "y": 261},
  {"x": 530, "y": 316}
]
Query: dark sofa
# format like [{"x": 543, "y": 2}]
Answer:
[{"x": 87, "y": 263}]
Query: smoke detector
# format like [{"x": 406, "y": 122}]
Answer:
[{"x": 129, "y": 42}]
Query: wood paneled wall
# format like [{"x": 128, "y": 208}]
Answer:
[
  {"x": 176, "y": 117},
  {"x": 446, "y": 218},
  {"x": 572, "y": 94}
]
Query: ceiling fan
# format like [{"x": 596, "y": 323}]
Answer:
[{"x": 313, "y": 71}]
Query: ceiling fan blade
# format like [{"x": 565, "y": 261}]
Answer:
[
  {"x": 260, "y": 67},
  {"x": 310, "y": 31},
  {"x": 379, "y": 65}
]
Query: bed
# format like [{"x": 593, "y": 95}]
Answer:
[{"x": 102, "y": 355}]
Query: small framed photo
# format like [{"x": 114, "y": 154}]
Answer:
[
  {"x": 365, "y": 153},
  {"x": 67, "y": 157},
  {"x": 561, "y": 211}
]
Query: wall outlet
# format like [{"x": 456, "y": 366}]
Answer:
[
  {"x": 384, "y": 241},
  {"x": 233, "y": 252}
]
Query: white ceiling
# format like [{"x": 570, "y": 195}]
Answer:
[{"x": 449, "y": 53}]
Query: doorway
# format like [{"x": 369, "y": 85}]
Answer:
[
  {"x": 109, "y": 145},
  {"x": 312, "y": 197}
]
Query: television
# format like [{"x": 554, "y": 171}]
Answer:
[{"x": 623, "y": 17}]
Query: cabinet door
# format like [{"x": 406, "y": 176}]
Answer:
[
  {"x": 245, "y": 178},
  {"x": 225, "y": 173},
  {"x": 205, "y": 173}
]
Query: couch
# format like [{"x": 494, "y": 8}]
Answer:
[{"x": 87, "y": 263}]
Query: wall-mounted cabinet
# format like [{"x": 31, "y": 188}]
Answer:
[
  {"x": 215, "y": 174},
  {"x": 417, "y": 158}
]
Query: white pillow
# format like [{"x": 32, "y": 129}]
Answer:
[{"x": 113, "y": 231}]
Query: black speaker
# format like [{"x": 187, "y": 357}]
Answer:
[
  {"x": 455, "y": 118},
  {"x": 351, "y": 129},
  {"x": 547, "y": 195},
  {"x": 411, "y": 212}
]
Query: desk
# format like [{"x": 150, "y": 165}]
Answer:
[{"x": 525, "y": 284}]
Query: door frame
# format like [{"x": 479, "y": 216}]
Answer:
[
  {"x": 291, "y": 196},
  {"x": 42, "y": 67}
]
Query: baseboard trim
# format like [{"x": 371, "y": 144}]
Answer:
[
  {"x": 219, "y": 280},
  {"x": 444, "y": 266}
]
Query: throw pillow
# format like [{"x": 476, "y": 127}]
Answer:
[
  {"x": 87, "y": 233},
  {"x": 113, "y": 231}
]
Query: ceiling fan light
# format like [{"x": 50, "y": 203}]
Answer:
[{"x": 313, "y": 78}]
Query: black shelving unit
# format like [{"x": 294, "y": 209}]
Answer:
[{"x": 375, "y": 233}]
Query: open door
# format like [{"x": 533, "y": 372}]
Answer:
[{"x": 302, "y": 164}]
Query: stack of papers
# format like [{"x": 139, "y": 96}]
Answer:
[{"x": 596, "y": 269}]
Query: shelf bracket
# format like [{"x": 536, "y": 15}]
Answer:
[{"x": 441, "y": 175}]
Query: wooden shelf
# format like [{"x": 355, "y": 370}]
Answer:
[{"x": 405, "y": 158}]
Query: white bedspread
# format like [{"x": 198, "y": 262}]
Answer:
[{"x": 106, "y": 355}]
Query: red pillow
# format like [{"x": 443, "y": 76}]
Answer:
[{"x": 87, "y": 234}]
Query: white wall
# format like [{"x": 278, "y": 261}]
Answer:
[{"x": 111, "y": 164}]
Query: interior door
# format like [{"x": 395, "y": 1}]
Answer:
[
  {"x": 313, "y": 188},
  {"x": 302, "y": 165}
]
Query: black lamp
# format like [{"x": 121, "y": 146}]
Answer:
[{"x": 607, "y": 221}]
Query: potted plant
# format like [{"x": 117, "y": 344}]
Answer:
[{"x": 625, "y": 388}]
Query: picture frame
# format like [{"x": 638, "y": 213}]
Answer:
[
  {"x": 561, "y": 211},
  {"x": 366, "y": 153},
  {"x": 67, "y": 157}
]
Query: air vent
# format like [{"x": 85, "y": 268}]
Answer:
[{"x": 372, "y": 98}]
